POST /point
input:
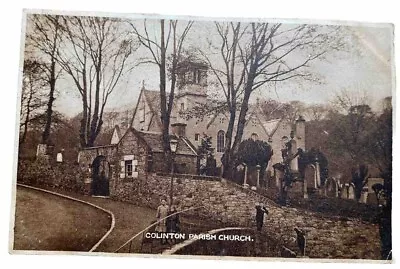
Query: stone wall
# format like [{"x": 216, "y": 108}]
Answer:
[
  {"x": 229, "y": 203},
  {"x": 226, "y": 202},
  {"x": 42, "y": 173}
]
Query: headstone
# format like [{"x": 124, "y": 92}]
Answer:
[
  {"x": 351, "y": 192},
  {"x": 317, "y": 175},
  {"x": 331, "y": 187},
  {"x": 344, "y": 193},
  {"x": 41, "y": 150},
  {"x": 309, "y": 176},
  {"x": 278, "y": 178},
  {"x": 364, "y": 195},
  {"x": 59, "y": 157}
]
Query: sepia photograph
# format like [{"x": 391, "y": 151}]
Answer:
[{"x": 204, "y": 137}]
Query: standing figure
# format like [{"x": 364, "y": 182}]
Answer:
[
  {"x": 173, "y": 222},
  {"x": 301, "y": 241},
  {"x": 260, "y": 211},
  {"x": 162, "y": 213}
]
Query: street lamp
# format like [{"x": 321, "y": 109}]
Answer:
[{"x": 173, "y": 144}]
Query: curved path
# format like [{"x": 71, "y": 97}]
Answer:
[
  {"x": 46, "y": 220},
  {"x": 128, "y": 218}
]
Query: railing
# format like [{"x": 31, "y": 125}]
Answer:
[{"x": 130, "y": 241}]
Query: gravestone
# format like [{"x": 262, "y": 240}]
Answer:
[
  {"x": 351, "y": 192},
  {"x": 59, "y": 157},
  {"x": 364, "y": 195},
  {"x": 309, "y": 176},
  {"x": 344, "y": 193},
  {"x": 41, "y": 150},
  {"x": 331, "y": 187}
]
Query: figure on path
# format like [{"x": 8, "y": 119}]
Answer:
[
  {"x": 173, "y": 222},
  {"x": 301, "y": 241},
  {"x": 162, "y": 213},
  {"x": 260, "y": 211}
]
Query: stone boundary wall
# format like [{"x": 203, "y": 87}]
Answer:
[
  {"x": 42, "y": 173},
  {"x": 228, "y": 203},
  {"x": 232, "y": 205}
]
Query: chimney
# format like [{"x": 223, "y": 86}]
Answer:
[{"x": 179, "y": 129}]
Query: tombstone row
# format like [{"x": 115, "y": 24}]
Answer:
[{"x": 334, "y": 188}]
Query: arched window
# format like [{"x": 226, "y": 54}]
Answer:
[
  {"x": 254, "y": 136},
  {"x": 220, "y": 141}
]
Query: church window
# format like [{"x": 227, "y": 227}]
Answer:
[
  {"x": 196, "y": 137},
  {"x": 221, "y": 120},
  {"x": 182, "y": 106},
  {"x": 254, "y": 136},
  {"x": 220, "y": 141}
]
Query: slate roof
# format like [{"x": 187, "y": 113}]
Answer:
[
  {"x": 154, "y": 141},
  {"x": 153, "y": 99}
]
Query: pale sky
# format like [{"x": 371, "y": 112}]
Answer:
[{"x": 366, "y": 66}]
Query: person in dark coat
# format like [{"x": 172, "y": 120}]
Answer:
[
  {"x": 260, "y": 211},
  {"x": 301, "y": 241},
  {"x": 173, "y": 222}
]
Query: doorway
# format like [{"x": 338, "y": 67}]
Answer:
[{"x": 100, "y": 176}]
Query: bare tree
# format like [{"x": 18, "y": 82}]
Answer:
[
  {"x": 259, "y": 53},
  {"x": 95, "y": 55},
  {"x": 45, "y": 38},
  {"x": 316, "y": 112},
  {"x": 159, "y": 54},
  {"x": 31, "y": 102}
]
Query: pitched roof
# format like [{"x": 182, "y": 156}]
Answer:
[
  {"x": 155, "y": 143},
  {"x": 153, "y": 100},
  {"x": 271, "y": 126}
]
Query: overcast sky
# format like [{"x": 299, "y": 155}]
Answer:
[{"x": 365, "y": 67}]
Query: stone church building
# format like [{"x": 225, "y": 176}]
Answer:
[
  {"x": 138, "y": 150},
  {"x": 193, "y": 92}
]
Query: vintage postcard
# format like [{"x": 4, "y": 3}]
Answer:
[{"x": 214, "y": 138}]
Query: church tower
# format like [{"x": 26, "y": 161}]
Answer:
[
  {"x": 191, "y": 92},
  {"x": 192, "y": 84}
]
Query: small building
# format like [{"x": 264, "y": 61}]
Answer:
[{"x": 130, "y": 157}]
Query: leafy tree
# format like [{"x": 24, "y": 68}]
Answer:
[
  {"x": 206, "y": 155},
  {"x": 379, "y": 191},
  {"x": 380, "y": 143},
  {"x": 312, "y": 157},
  {"x": 254, "y": 152},
  {"x": 359, "y": 177}
]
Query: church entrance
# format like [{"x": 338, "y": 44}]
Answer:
[{"x": 100, "y": 175}]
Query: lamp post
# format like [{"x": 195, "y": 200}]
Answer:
[{"x": 173, "y": 144}]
